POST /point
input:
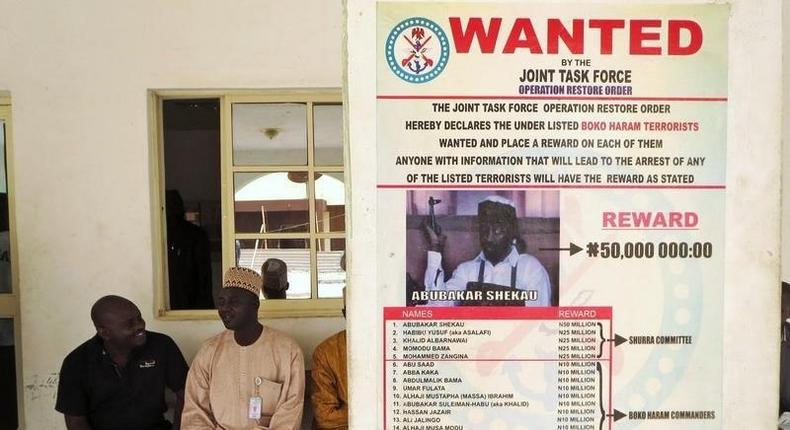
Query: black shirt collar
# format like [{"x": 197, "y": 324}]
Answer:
[{"x": 98, "y": 353}]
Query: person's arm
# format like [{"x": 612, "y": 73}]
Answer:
[
  {"x": 456, "y": 283},
  {"x": 178, "y": 410},
  {"x": 784, "y": 377},
  {"x": 536, "y": 278},
  {"x": 197, "y": 413},
  {"x": 329, "y": 410},
  {"x": 434, "y": 274},
  {"x": 77, "y": 422},
  {"x": 72, "y": 398},
  {"x": 288, "y": 413},
  {"x": 176, "y": 376}
]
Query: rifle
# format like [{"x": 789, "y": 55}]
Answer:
[{"x": 432, "y": 215}]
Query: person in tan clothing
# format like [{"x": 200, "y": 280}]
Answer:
[{"x": 249, "y": 376}]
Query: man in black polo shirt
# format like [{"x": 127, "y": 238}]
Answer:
[{"x": 117, "y": 379}]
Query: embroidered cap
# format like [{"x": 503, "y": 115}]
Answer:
[
  {"x": 496, "y": 208},
  {"x": 499, "y": 199},
  {"x": 244, "y": 278}
]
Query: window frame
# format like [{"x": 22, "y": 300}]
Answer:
[
  {"x": 9, "y": 303},
  {"x": 289, "y": 308}
]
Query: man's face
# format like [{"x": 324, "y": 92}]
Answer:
[
  {"x": 122, "y": 326},
  {"x": 496, "y": 237},
  {"x": 237, "y": 308}
]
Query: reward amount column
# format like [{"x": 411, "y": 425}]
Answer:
[
  {"x": 470, "y": 368},
  {"x": 584, "y": 368}
]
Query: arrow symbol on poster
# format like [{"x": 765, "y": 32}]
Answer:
[
  {"x": 618, "y": 340},
  {"x": 573, "y": 248},
  {"x": 617, "y": 415}
]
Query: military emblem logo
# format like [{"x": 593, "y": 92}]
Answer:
[{"x": 417, "y": 50}]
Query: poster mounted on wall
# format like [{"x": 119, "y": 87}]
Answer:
[{"x": 550, "y": 195}]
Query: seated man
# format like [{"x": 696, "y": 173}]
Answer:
[
  {"x": 499, "y": 264},
  {"x": 249, "y": 376},
  {"x": 275, "y": 278},
  {"x": 117, "y": 379},
  {"x": 330, "y": 394}
]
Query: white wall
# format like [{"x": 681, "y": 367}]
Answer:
[
  {"x": 785, "y": 146},
  {"x": 78, "y": 74},
  {"x": 753, "y": 215}
]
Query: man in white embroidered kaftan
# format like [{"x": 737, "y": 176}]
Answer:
[{"x": 249, "y": 376}]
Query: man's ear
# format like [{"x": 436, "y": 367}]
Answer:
[
  {"x": 101, "y": 332},
  {"x": 287, "y": 284}
]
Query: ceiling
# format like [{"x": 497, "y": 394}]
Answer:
[{"x": 260, "y": 126}]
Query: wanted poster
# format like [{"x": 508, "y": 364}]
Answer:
[{"x": 551, "y": 185}]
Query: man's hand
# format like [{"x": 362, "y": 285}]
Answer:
[{"x": 435, "y": 239}]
